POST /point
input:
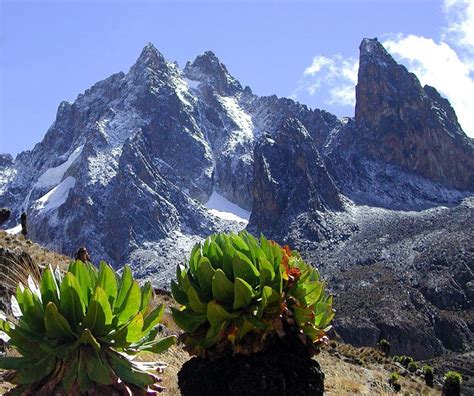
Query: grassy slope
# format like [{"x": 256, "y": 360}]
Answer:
[{"x": 348, "y": 370}]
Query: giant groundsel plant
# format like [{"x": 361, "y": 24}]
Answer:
[
  {"x": 238, "y": 293},
  {"x": 77, "y": 334}
]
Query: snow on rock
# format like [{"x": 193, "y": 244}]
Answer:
[
  {"x": 57, "y": 196},
  {"x": 15, "y": 230},
  {"x": 53, "y": 176},
  {"x": 240, "y": 117},
  {"x": 191, "y": 83},
  {"x": 220, "y": 206}
]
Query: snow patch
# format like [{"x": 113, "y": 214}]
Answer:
[
  {"x": 191, "y": 83},
  {"x": 57, "y": 196},
  {"x": 241, "y": 119},
  {"x": 221, "y": 207},
  {"x": 15, "y": 230},
  {"x": 53, "y": 176}
]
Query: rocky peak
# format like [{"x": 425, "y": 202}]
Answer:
[
  {"x": 208, "y": 69},
  {"x": 150, "y": 66},
  {"x": 150, "y": 56},
  {"x": 407, "y": 125},
  {"x": 289, "y": 179},
  {"x": 371, "y": 50}
]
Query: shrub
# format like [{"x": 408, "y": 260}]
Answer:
[
  {"x": 75, "y": 333},
  {"x": 396, "y": 358},
  {"x": 453, "y": 378},
  {"x": 394, "y": 377},
  {"x": 428, "y": 373},
  {"x": 393, "y": 382},
  {"x": 237, "y": 293},
  {"x": 384, "y": 346},
  {"x": 405, "y": 360},
  {"x": 427, "y": 369},
  {"x": 452, "y": 383},
  {"x": 412, "y": 367}
]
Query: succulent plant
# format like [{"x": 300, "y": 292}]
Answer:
[
  {"x": 412, "y": 367},
  {"x": 237, "y": 293},
  {"x": 453, "y": 378},
  {"x": 428, "y": 374},
  {"x": 76, "y": 333},
  {"x": 452, "y": 383}
]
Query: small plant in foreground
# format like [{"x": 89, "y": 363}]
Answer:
[
  {"x": 384, "y": 346},
  {"x": 393, "y": 382},
  {"x": 237, "y": 293},
  {"x": 396, "y": 359},
  {"x": 412, "y": 367},
  {"x": 452, "y": 383},
  {"x": 405, "y": 360},
  {"x": 76, "y": 334},
  {"x": 428, "y": 374}
]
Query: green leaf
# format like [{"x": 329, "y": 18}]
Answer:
[
  {"x": 131, "y": 304},
  {"x": 239, "y": 243},
  {"x": 270, "y": 301},
  {"x": 302, "y": 315},
  {"x": 158, "y": 346},
  {"x": 33, "y": 311},
  {"x": 56, "y": 324},
  {"x": 195, "y": 302},
  {"x": 216, "y": 314},
  {"x": 36, "y": 371},
  {"x": 85, "y": 382},
  {"x": 98, "y": 370},
  {"x": 147, "y": 294},
  {"x": 108, "y": 282},
  {"x": 178, "y": 294},
  {"x": 222, "y": 288},
  {"x": 244, "y": 269},
  {"x": 214, "y": 254},
  {"x": 15, "y": 363},
  {"x": 308, "y": 292},
  {"x": 125, "y": 284},
  {"x": 213, "y": 334},
  {"x": 88, "y": 339},
  {"x": 70, "y": 373},
  {"x": 187, "y": 319},
  {"x": 267, "y": 273},
  {"x": 127, "y": 373},
  {"x": 49, "y": 287},
  {"x": 134, "y": 328},
  {"x": 71, "y": 304},
  {"x": 153, "y": 318},
  {"x": 205, "y": 272},
  {"x": 80, "y": 271},
  {"x": 99, "y": 314},
  {"x": 229, "y": 252},
  {"x": 243, "y": 294}
]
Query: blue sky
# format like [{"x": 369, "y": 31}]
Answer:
[{"x": 52, "y": 51}]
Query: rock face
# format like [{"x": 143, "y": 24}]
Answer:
[
  {"x": 290, "y": 179},
  {"x": 381, "y": 202},
  {"x": 408, "y": 125}
]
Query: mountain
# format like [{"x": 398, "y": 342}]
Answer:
[{"x": 145, "y": 163}]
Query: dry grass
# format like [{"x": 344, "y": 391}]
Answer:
[{"x": 39, "y": 254}]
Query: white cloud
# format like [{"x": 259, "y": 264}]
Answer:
[
  {"x": 447, "y": 65},
  {"x": 336, "y": 76},
  {"x": 460, "y": 26}
]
